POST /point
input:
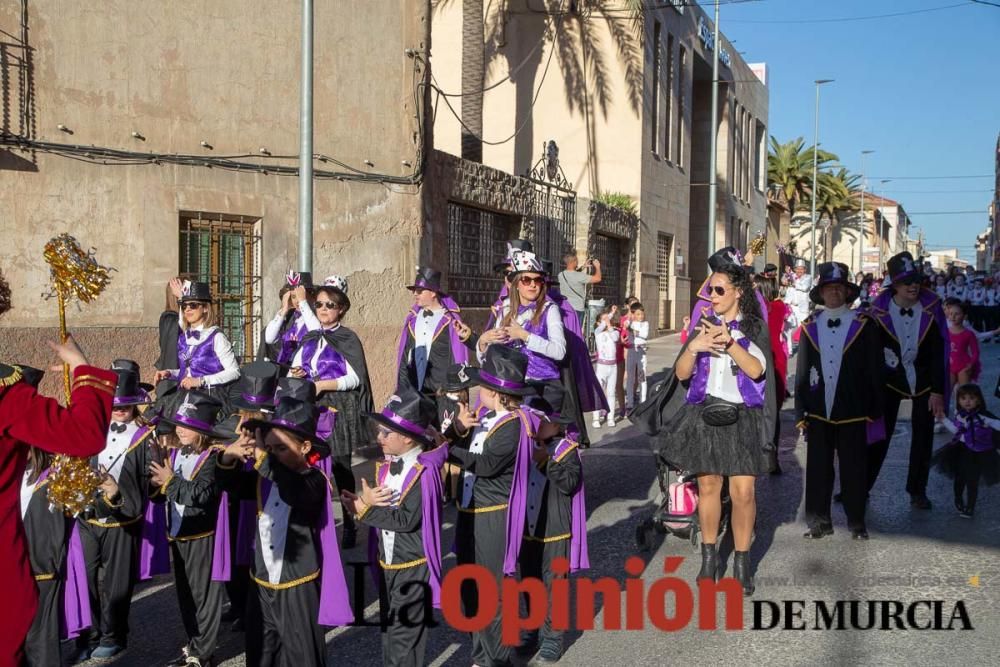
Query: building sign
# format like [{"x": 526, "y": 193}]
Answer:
[
  {"x": 707, "y": 36},
  {"x": 677, "y": 4}
]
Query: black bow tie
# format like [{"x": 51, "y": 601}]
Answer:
[
  {"x": 833, "y": 323},
  {"x": 118, "y": 427},
  {"x": 396, "y": 467},
  {"x": 490, "y": 415},
  {"x": 906, "y": 312},
  {"x": 428, "y": 313}
]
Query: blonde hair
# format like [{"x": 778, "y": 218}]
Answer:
[{"x": 209, "y": 320}]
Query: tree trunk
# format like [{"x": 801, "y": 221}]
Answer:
[{"x": 473, "y": 79}]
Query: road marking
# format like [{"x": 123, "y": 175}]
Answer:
[
  {"x": 371, "y": 611},
  {"x": 448, "y": 652},
  {"x": 152, "y": 590}
]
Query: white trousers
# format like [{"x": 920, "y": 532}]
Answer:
[{"x": 607, "y": 376}]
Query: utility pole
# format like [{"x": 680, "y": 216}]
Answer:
[
  {"x": 306, "y": 141},
  {"x": 864, "y": 223},
  {"x": 713, "y": 145},
  {"x": 812, "y": 238}
]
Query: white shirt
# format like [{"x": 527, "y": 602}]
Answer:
[
  {"x": 115, "y": 446},
  {"x": 273, "y": 330},
  {"x": 908, "y": 333},
  {"x": 721, "y": 379},
  {"x": 223, "y": 351},
  {"x": 27, "y": 491},
  {"x": 640, "y": 332},
  {"x": 831, "y": 348},
  {"x": 345, "y": 382},
  {"x": 476, "y": 447},
  {"x": 395, "y": 482},
  {"x": 554, "y": 347},
  {"x": 184, "y": 467},
  {"x": 423, "y": 337},
  {"x": 606, "y": 341},
  {"x": 272, "y": 531}
]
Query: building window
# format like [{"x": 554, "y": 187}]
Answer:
[
  {"x": 477, "y": 240},
  {"x": 224, "y": 251},
  {"x": 760, "y": 157},
  {"x": 654, "y": 112},
  {"x": 681, "y": 89},
  {"x": 611, "y": 252},
  {"x": 664, "y": 247},
  {"x": 668, "y": 100}
]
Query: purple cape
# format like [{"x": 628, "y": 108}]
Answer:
[
  {"x": 518, "y": 499},
  {"x": 579, "y": 558},
  {"x": 334, "y": 604},
  {"x": 76, "y": 596}
]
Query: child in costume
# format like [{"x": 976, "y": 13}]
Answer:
[{"x": 971, "y": 455}]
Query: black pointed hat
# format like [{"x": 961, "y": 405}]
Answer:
[
  {"x": 427, "y": 278},
  {"x": 300, "y": 389},
  {"x": 199, "y": 412},
  {"x": 298, "y": 417},
  {"x": 407, "y": 412},
  {"x": 195, "y": 291},
  {"x": 503, "y": 370},
  {"x": 255, "y": 388},
  {"x": 833, "y": 273}
]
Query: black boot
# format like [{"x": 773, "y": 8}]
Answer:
[
  {"x": 741, "y": 571},
  {"x": 709, "y": 563}
]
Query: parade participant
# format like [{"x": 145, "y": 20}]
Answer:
[
  {"x": 452, "y": 395},
  {"x": 941, "y": 286},
  {"x": 206, "y": 359},
  {"x": 963, "y": 358},
  {"x": 720, "y": 259},
  {"x": 573, "y": 282},
  {"x": 778, "y": 327},
  {"x": 838, "y": 393},
  {"x": 725, "y": 425},
  {"x": 110, "y": 532},
  {"x": 976, "y": 299},
  {"x": 797, "y": 296},
  {"x": 334, "y": 359},
  {"x": 404, "y": 512},
  {"x": 494, "y": 451},
  {"x": 957, "y": 288},
  {"x": 556, "y": 522},
  {"x": 197, "y": 525},
  {"x": 635, "y": 357},
  {"x": 294, "y": 319},
  {"x": 300, "y": 584},
  {"x": 915, "y": 344},
  {"x": 607, "y": 342},
  {"x": 531, "y": 322},
  {"x": 424, "y": 353},
  {"x": 971, "y": 455}
]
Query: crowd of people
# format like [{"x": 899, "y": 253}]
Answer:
[{"x": 226, "y": 475}]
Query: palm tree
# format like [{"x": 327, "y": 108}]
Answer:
[
  {"x": 835, "y": 197},
  {"x": 789, "y": 171}
]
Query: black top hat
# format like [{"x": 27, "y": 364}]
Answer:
[
  {"x": 199, "y": 412},
  {"x": 503, "y": 370},
  {"x": 721, "y": 259},
  {"x": 295, "y": 279},
  {"x": 407, "y": 412},
  {"x": 427, "y": 278},
  {"x": 294, "y": 416},
  {"x": 300, "y": 389},
  {"x": 128, "y": 391},
  {"x": 525, "y": 261},
  {"x": 19, "y": 373},
  {"x": 255, "y": 389},
  {"x": 902, "y": 268},
  {"x": 512, "y": 245},
  {"x": 458, "y": 378},
  {"x": 830, "y": 273},
  {"x": 547, "y": 266},
  {"x": 769, "y": 268},
  {"x": 195, "y": 291},
  {"x": 131, "y": 366}
]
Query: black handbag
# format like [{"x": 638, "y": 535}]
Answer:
[
  {"x": 720, "y": 414},
  {"x": 648, "y": 415}
]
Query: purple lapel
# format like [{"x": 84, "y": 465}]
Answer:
[
  {"x": 853, "y": 331},
  {"x": 811, "y": 329}
]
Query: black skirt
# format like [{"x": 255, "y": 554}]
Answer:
[
  {"x": 350, "y": 428},
  {"x": 955, "y": 459},
  {"x": 738, "y": 449}
]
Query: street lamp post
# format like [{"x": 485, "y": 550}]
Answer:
[
  {"x": 812, "y": 237},
  {"x": 861, "y": 227},
  {"x": 713, "y": 147},
  {"x": 881, "y": 227},
  {"x": 306, "y": 142}
]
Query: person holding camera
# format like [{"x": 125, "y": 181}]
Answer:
[{"x": 573, "y": 281}]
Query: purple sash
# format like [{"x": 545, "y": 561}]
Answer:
[
  {"x": 579, "y": 558},
  {"x": 329, "y": 366},
  {"x": 752, "y": 391},
  {"x": 199, "y": 357},
  {"x": 154, "y": 553},
  {"x": 76, "y": 596}
]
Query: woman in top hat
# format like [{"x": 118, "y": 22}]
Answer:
[
  {"x": 424, "y": 352},
  {"x": 205, "y": 355},
  {"x": 294, "y": 319},
  {"x": 404, "y": 512},
  {"x": 494, "y": 452},
  {"x": 296, "y": 564},
  {"x": 110, "y": 532},
  {"x": 725, "y": 424},
  {"x": 531, "y": 323},
  {"x": 196, "y": 528},
  {"x": 333, "y": 358}
]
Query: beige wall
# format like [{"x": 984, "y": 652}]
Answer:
[{"x": 179, "y": 75}]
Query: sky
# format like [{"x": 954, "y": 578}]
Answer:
[{"x": 922, "y": 90}]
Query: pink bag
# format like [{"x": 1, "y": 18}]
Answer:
[{"x": 683, "y": 501}]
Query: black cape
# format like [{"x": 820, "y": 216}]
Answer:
[{"x": 347, "y": 343}]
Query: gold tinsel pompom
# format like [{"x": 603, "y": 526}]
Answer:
[
  {"x": 75, "y": 272},
  {"x": 757, "y": 245},
  {"x": 72, "y": 484}
]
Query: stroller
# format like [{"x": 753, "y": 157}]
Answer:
[{"x": 677, "y": 513}]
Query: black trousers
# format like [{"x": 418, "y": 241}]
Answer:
[
  {"x": 481, "y": 539},
  {"x": 238, "y": 586},
  {"x": 343, "y": 475},
  {"x": 921, "y": 443},
  {"x": 111, "y": 557},
  {"x": 848, "y": 441},
  {"x": 281, "y": 627},
  {"x": 405, "y": 595},
  {"x": 199, "y": 598},
  {"x": 536, "y": 561},
  {"x": 41, "y": 647}
]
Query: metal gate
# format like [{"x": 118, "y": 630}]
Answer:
[
  {"x": 664, "y": 245},
  {"x": 552, "y": 227},
  {"x": 611, "y": 253},
  {"x": 477, "y": 240}
]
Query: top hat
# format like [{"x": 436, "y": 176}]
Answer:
[
  {"x": 525, "y": 261},
  {"x": 547, "y": 267},
  {"x": 131, "y": 366},
  {"x": 728, "y": 256},
  {"x": 902, "y": 268},
  {"x": 300, "y": 389},
  {"x": 18, "y": 373},
  {"x": 294, "y": 416},
  {"x": 458, "y": 378},
  {"x": 336, "y": 282},
  {"x": 408, "y": 412},
  {"x": 427, "y": 278},
  {"x": 199, "y": 412},
  {"x": 833, "y": 273},
  {"x": 799, "y": 262},
  {"x": 512, "y": 246},
  {"x": 769, "y": 268},
  {"x": 195, "y": 291},
  {"x": 255, "y": 389},
  {"x": 503, "y": 370},
  {"x": 295, "y": 279},
  {"x": 128, "y": 392}
]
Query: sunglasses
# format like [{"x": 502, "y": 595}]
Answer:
[
  {"x": 384, "y": 432},
  {"x": 192, "y": 305},
  {"x": 717, "y": 289},
  {"x": 327, "y": 304},
  {"x": 528, "y": 280},
  {"x": 912, "y": 280}
]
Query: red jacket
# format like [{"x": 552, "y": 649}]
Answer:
[{"x": 27, "y": 419}]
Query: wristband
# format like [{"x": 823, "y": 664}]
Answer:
[{"x": 729, "y": 344}]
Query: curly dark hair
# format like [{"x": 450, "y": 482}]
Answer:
[{"x": 742, "y": 280}]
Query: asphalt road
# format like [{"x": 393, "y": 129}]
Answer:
[{"x": 912, "y": 555}]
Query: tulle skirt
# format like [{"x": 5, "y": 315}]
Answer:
[{"x": 957, "y": 460}]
